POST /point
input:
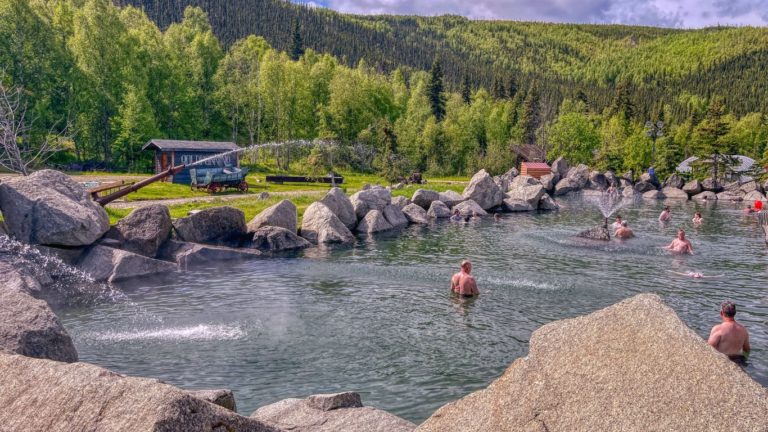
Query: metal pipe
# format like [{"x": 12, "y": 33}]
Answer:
[{"x": 103, "y": 201}]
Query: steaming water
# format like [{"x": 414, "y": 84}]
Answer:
[{"x": 377, "y": 318}]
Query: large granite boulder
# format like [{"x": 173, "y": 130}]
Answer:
[
  {"x": 628, "y": 192},
  {"x": 647, "y": 177},
  {"x": 674, "y": 181},
  {"x": 653, "y": 195},
  {"x": 50, "y": 208},
  {"x": 450, "y": 198},
  {"x": 470, "y": 208},
  {"x": 579, "y": 175},
  {"x": 530, "y": 194},
  {"x": 397, "y": 201},
  {"x": 27, "y": 325},
  {"x": 187, "y": 255},
  {"x": 612, "y": 179},
  {"x": 274, "y": 239},
  {"x": 693, "y": 187},
  {"x": 320, "y": 225},
  {"x": 483, "y": 191},
  {"x": 221, "y": 397},
  {"x": 341, "y": 206},
  {"x": 216, "y": 226},
  {"x": 516, "y": 206},
  {"x": 415, "y": 214},
  {"x": 560, "y": 166},
  {"x": 144, "y": 230},
  {"x": 395, "y": 216},
  {"x": 424, "y": 198},
  {"x": 282, "y": 214},
  {"x": 330, "y": 413},
  {"x": 549, "y": 181},
  {"x": 108, "y": 264},
  {"x": 749, "y": 186},
  {"x": 705, "y": 196},
  {"x": 375, "y": 198},
  {"x": 730, "y": 196},
  {"x": 43, "y": 395},
  {"x": 548, "y": 204},
  {"x": 612, "y": 370},
  {"x": 502, "y": 183},
  {"x": 711, "y": 185},
  {"x": 754, "y": 196},
  {"x": 374, "y": 222},
  {"x": 643, "y": 187},
  {"x": 597, "y": 181},
  {"x": 438, "y": 210},
  {"x": 566, "y": 186},
  {"x": 521, "y": 181},
  {"x": 674, "y": 193}
]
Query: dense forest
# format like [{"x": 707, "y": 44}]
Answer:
[{"x": 444, "y": 95}]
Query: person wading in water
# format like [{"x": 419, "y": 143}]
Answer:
[
  {"x": 462, "y": 283},
  {"x": 730, "y": 337}
]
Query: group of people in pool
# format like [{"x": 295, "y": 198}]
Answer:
[{"x": 679, "y": 245}]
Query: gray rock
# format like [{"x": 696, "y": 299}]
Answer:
[
  {"x": 754, "y": 196},
  {"x": 83, "y": 397},
  {"x": 400, "y": 202},
  {"x": 144, "y": 230},
  {"x": 599, "y": 232},
  {"x": 104, "y": 263},
  {"x": 563, "y": 384},
  {"x": 483, "y": 191},
  {"x": 705, "y": 196},
  {"x": 693, "y": 187},
  {"x": 27, "y": 325},
  {"x": 372, "y": 199},
  {"x": 397, "y": 186},
  {"x": 711, "y": 185},
  {"x": 514, "y": 205},
  {"x": 597, "y": 181},
  {"x": 674, "y": 193},
  {"x": 643, "y": 187},
  {"x": 341, "y": 206},
  {"x": 579, "y": 175},
  {"x": 271, "y": 238},
  {"x": 50, "y": 208},
  {"x": 221, "y": 397},
  {"x": 548, "y": 204},
  {"x": 732, "y": 187},
  {"x": 566, "y": 186},
  {"x": 395, "y": 216},
  {"x": 374, "y": 222},
  {"x": 625, "y": 183},
  {"x": 502, "y": 183},
  {"x": 611, "y": 178},
  {"x": 469, "y": 208},
  {"x": 548, "y": 182},
  {"x": 560, "y": 166},
  {"x": 628, "y": 192},
  {"x": 438, "y": 210},
  {"x": 650, "y": 178},
  {"x": 320, "y": 225},
  {"x": 674, "y": 181},
  {"x": 424, "y": 198},
  {"x": 69, "y": 256},
  {"x": 188, "y": 255},
  {"x": 749, "y": 186},
  {"x": 653, "y": 195},
  {"x": 282, "y": 214},
  {"x": 263, "y": 196},
  {"x": 530, "y": 194},
  {"x": 729, "y": 196},
  {"x": 216, "y": 226},
  {"x": 451, "y": 198},
  {"x": 330, "y": 413},
  {"x": 521, "y": 181},
  {"x": 415, "y": 214}
]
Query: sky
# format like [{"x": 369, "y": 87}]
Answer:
[{"x": 661, "y": 13}]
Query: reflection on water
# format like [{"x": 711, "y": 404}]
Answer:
[{"x": 377, "y": 318}]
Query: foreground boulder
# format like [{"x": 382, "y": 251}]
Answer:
[
  {"x": 330, "y": 413},
  {"x": 483, "y": 191},
  {"x": 375, "y": 198},
  {"x": 27, "y": 325},
  {"x": 470, "y": 208},
  {"x": 144, "y": 230},
  {"x": 566, "y": 186},
  {"x": 282, "y": 214},
  {"x": 43, "y": 395},
  {"x": 320, "y": 225},
  {"x": 451, "y": 198},
  {"x": 341, "y": 206},
  {"x": 108, "y": 264},
  {"x": 424, "y": 198},
  {"x": 50, "y": 208},
  {"x": 529, "y": 193},
  {"x": 415, "y": 214},
  {"x": 438, "y": 210},
  {"x": 374, "y": 222},
  {"x": 216, "y": 226},
  {"x": 674, "y": 193},
  {"x": 612, "y": 370},
  {"x": 275, "y": 239},
  {"x": 395, "y": 216},
  {"x": 515, "y": 205},
  {"x": 400, "y": 202},
  {"x": 186, "y": 254}
]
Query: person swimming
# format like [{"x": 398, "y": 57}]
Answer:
[
  {"x": 456, "y": 216},
  {"x": 680, "y": 245},
  {"x": 748, "y": 210},
  {"x": 463, "y": 283},
  {"x": 624, "y": 232},
  {"x": 616, "y": 225},
  {"x": 696, "y": 275},
  {"x": 697, "y": 219},
  {"x": 666, "y": 215}
]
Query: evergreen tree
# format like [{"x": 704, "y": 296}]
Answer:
[
  {"x": 499, "y": 92},
  {"x": 710, "y": 133},
  {"x": 297, "y": 43},
  {"x": 530, "y": 119},
  {"x": 435, "y": 91},
  {"x": 466, "y": 90},
  {"x": 622, "y": 104},
  {"x": 512, "y": 87}
]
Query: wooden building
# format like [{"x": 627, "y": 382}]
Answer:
[
  {"x": 535, "y": 169},
  {"x": 170, "y": 153}
]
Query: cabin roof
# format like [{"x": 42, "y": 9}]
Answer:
[{"x": 203, "y": 146}]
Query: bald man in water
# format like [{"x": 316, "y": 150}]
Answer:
[
  {"x": 730, "y": 337},
  {"x": 462, "y": 283}
]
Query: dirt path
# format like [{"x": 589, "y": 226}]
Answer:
[{"x": 176, "y": 201}]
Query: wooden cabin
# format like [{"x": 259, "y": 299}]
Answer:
[
  {"x": 535, "y": 169},
  {"x": 170, "y": 153}
]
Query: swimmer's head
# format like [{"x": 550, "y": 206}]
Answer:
[
  {"x": 466, "y": 266},
  {"x": 728, "y": 309},
  {"x": 666, "y": 208},
  {"x": 618, "y": 218},
  {"x": 624, "y": 224},
  {"x": 681, "y": 234}
]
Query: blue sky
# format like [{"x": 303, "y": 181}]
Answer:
[{"x": 666, "y": 13}]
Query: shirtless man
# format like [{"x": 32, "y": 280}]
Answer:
[
  {"x": 616, "y": 225},
  {"x": 697, "y": 219},
  {"x": 666, "y": 215},
  {"x": 730, "y": 337},
  {"x": 680, "y": 245},
  {"x": 462, "y": 283},
  {"x": 624, "y": 232}
]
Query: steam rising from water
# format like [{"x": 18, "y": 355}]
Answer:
[{"x": 200, "y": 332}]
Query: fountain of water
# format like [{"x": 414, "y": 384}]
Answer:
[
  {"x": 608, "y": 203},
  {"x": 256, "y": 147}
]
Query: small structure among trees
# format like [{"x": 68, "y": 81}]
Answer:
[{"x": 170, "y": 153}]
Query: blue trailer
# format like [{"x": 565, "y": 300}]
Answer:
[{"x": 218, "y": 179}]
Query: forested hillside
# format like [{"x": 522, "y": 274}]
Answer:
[{"x": 89, "y": 81}]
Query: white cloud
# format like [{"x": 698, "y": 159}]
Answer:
[{"x": 668, "y": 13}]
